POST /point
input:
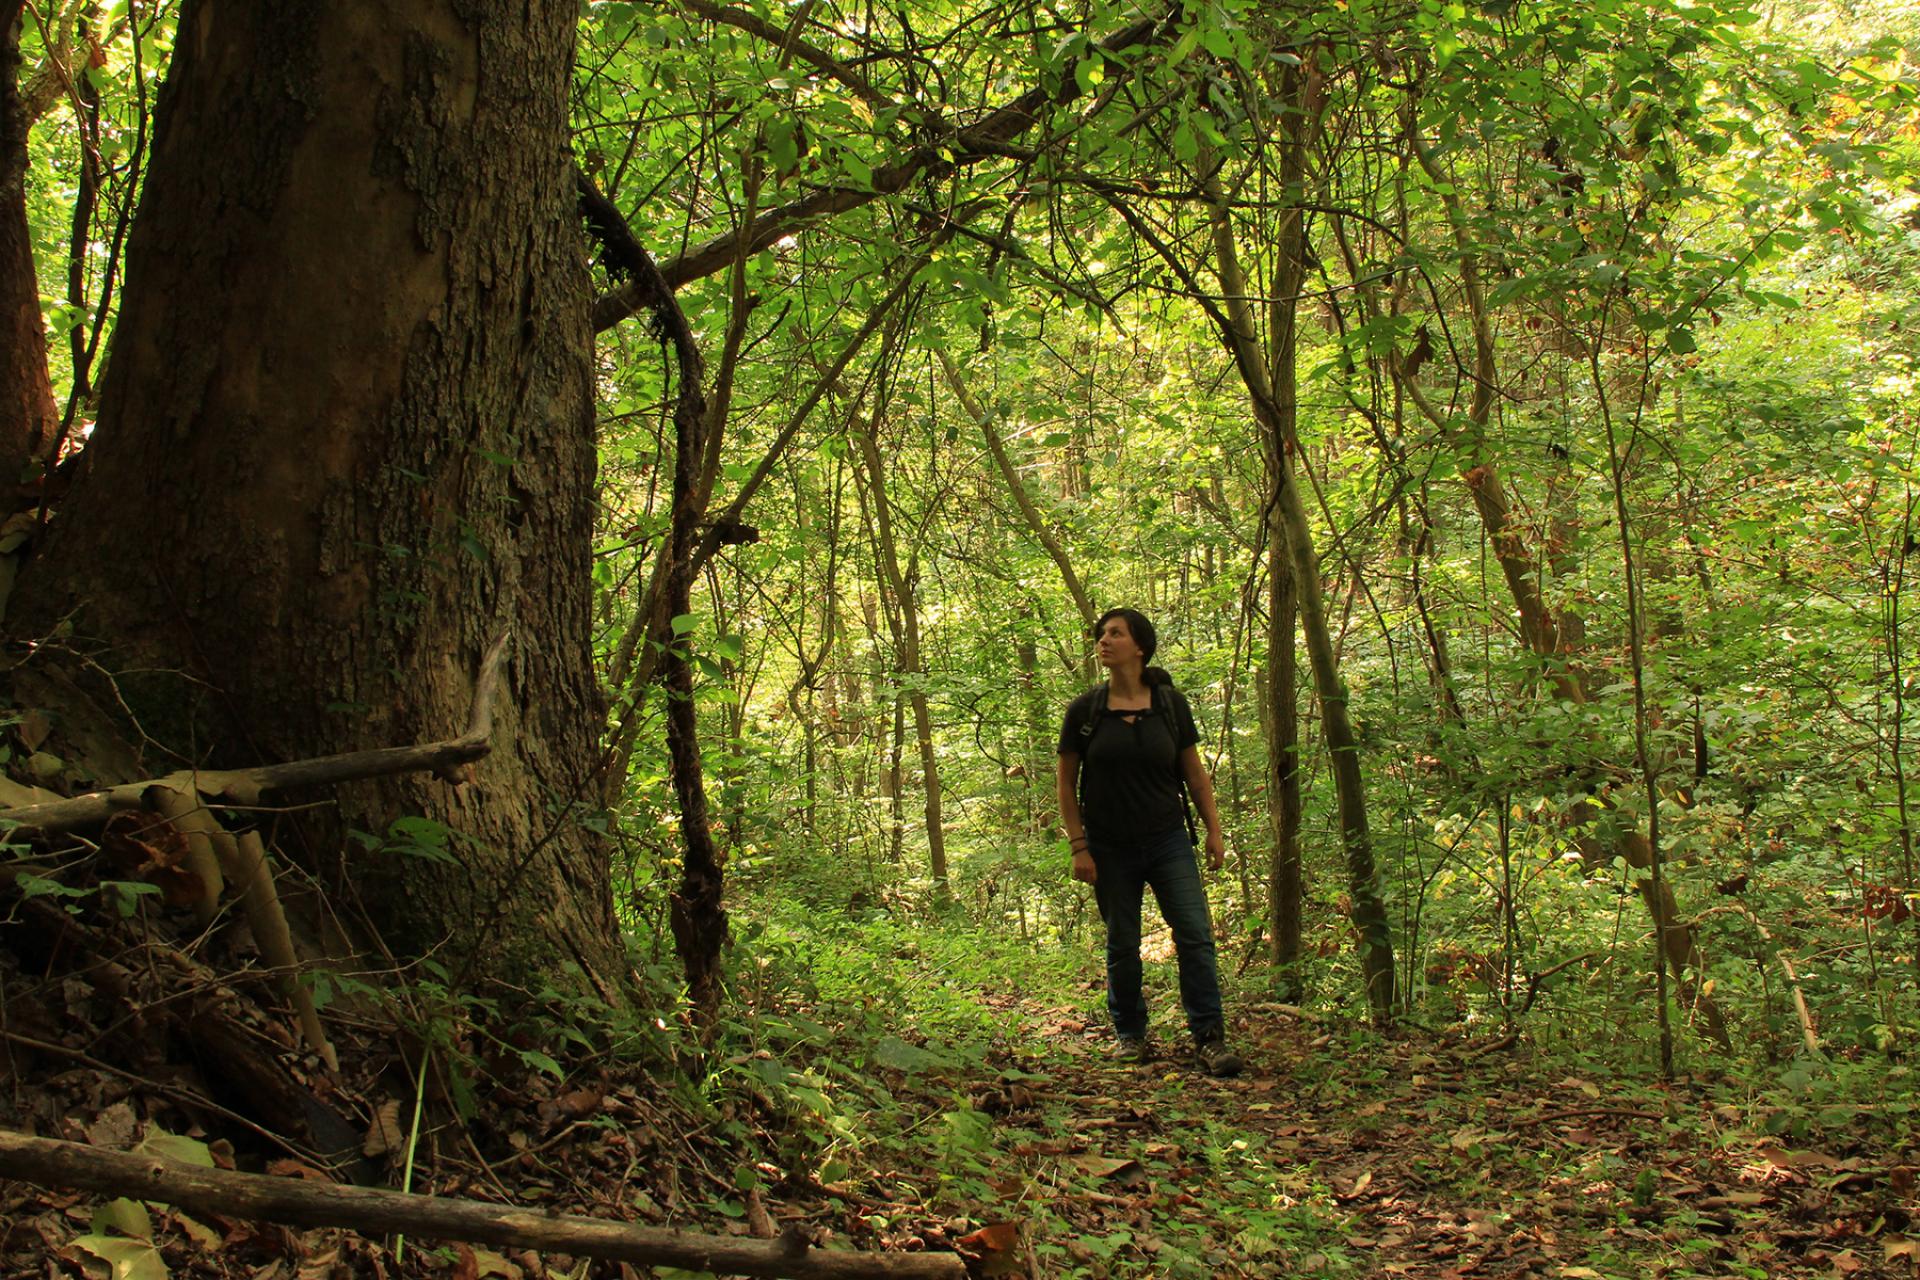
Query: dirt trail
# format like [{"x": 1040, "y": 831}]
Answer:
[{"x": 1341, "y": 1154}]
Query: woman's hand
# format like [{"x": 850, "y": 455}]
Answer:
[
  {"x": 1216, "y": 851},
  {"x": 1083, "y": 868}
]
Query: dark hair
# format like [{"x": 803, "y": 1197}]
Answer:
[{"x": 1143, "y": 635}]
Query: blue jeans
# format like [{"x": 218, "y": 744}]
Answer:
[{"x": 1168, "y": 863}]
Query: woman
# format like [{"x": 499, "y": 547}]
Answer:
[{"x": 1129, "y": 757}]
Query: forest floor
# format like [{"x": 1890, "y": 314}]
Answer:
[
  {"x": 872, "y": 1122},
  {"x": 1346, "y": 1154}
]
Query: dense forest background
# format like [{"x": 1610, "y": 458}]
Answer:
[{"x": 1506, "y": 410}]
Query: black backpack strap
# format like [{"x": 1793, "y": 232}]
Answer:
[
  {"x": 1163, "y": 705},
  {"x": 1094, "y": 713},
  {"x": 1097, "y": 710}
]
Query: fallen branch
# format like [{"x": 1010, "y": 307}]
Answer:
[
  {"x": 244, "y": 786},
  {"x": 268, "y": 919},
  {"x": 181, "y": 806},
  {"x": 1807, "y": 1034},
  {"x": 298, "y": 1202}
]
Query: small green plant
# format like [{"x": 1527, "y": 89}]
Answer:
[
  {"x": 122, "y": 895},
  {"x": 410, "y": 836}
]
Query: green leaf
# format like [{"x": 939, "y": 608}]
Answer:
[
  {"x": 896, "y": 1054},
  {"x": 130, "y": 1259},
  {"x": 175, "y": 1147},
  {"x": 126, "y": 894},
  {"x": 33, "y": 886},
  {"x": 542, "y": 1062},
  {"x": 783, "y": 144},
  {"x": 683, "y": 623},
  {"x": 128, "y": 1217},
  {"x": 1680, "y": 341}
]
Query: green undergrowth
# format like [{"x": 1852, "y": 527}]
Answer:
[{"x": 902, "y": 974}]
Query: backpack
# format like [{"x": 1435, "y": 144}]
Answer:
[{"x": 1160, "y": 704}]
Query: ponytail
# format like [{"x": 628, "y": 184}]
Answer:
[{"x": 1156, "y": 676}]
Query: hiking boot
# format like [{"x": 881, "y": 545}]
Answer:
[
  {"x": 1215, "y": 1058},
  {"x": 1129, "y": 1049}
]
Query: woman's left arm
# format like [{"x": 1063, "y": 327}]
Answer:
[{"x": 1200, "y": 787}]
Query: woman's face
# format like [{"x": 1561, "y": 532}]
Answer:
[{"x": 1115, "y": 645}]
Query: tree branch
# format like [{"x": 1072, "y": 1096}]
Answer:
[
  {"x": 789, "y": 41},
  {"x": 369, "y": 1210},
  {"x": 934, "y": 160}
]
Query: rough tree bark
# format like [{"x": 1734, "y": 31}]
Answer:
[
  {"x": 28, "y": 417},
  {"x": 346, "y": 434}
]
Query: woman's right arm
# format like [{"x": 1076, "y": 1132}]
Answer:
[{"x": 1067, "y": 787}]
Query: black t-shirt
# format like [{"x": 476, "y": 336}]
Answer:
[{"x": 1130, "y": 783}]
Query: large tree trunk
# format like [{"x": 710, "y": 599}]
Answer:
[
  {"x": 28, "y": 418},
  {"x": 346, "y": 436}
]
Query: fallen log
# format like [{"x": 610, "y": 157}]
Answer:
[{"x": 367, "y": 1210}]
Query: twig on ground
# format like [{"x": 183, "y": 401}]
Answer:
[{"x": 185, "y": 1097}]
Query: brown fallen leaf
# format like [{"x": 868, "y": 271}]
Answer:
[
  {"x": 1105, "y": 1166},
  {"x": 203, "y": 1236},
  {"x": 1787, "y": 1161},
  {"x": 488, "y": 1263},
  {"x": 113, "y": 1128},
  {"x": 1735, "y": 1200},
  {"x": 33, "y": 728},
  {"x": 143, "y": 846},
  {"x": 384, "y": 1134},
  {"x": 993, "y": 1250}
]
